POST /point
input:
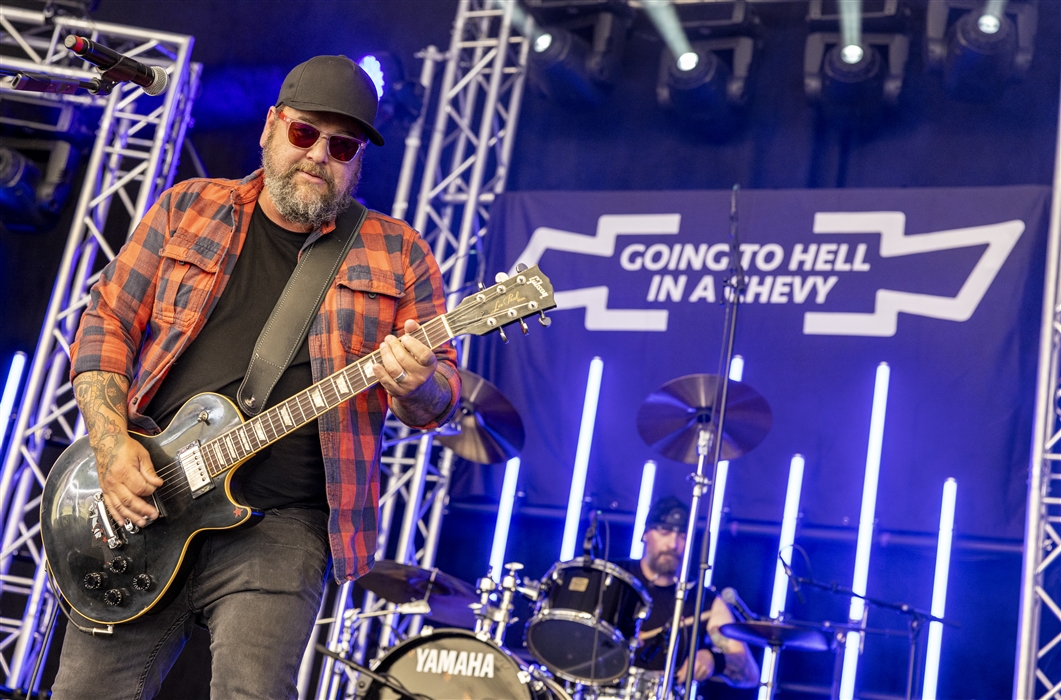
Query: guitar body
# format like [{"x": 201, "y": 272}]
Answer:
[{"x": 161, "y": 551}]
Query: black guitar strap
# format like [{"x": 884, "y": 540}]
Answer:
[{"x": 294, "y": 312}]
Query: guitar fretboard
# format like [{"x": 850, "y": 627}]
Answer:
[{"x": 236, "y": 445}]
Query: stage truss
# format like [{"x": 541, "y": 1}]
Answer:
[
  {"x": 133, "y": 159},
  {"x": 1038, "y": 668}
]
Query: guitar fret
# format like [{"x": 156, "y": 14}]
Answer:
[
  {"x": 318, "y": 398},
  {"x": 231, "y": 448},
  {"x": 256, "y": 424},
  {"x": 217, "y": 450},
  {"x": 342, "y": 386},
  {"x": 285, "y": 416},
  {"x": 242, "y": 434}
]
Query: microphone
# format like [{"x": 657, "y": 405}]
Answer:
[
  {"x": 792, "y": 582},
  {"x": 118, "y": 68},
  {"x": 591, "y": 534},
  {"x": 730, "y": 596}
]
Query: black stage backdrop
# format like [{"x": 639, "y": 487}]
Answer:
[{"x": 246, "y": 46}]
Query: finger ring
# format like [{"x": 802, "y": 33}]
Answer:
[{"x": 401, "y": 376}]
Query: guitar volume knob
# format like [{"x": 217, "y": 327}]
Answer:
[
  {"x": 115, "y": 596},
  {"x": 117, "y": 565},
  {"x": 142, "y": 582},
  {"x": 95, "y": 580}
]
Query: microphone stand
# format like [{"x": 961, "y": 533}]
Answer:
[
  {"x": 58, "y": 85},
  {"x": 918, "y": 618},
  {"x": 707, "y": 440}
]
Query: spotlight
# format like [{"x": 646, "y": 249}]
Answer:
[
  {"x": 559, "y": 68},
  {"x": 708, "y": 83},
  {"x": 979, "y": 48},
  {"x": 853, "y": 82},
  {"x": 576, "y": 55}
]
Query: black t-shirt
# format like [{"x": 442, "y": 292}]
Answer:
[
  {"x": 653, "y": 654},
  {"x": 290, "y": 472}
]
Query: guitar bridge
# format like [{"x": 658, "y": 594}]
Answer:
[{"x": 191, "y": 461}]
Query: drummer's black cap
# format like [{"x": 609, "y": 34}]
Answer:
[
  {"x": 668, "y": 513},
  {"x": 333, "y": 84}
]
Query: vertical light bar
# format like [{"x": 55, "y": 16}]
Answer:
[
  {"x": 7, "y": 402},
  {"x": 504, "y": 518},
  {"x": 578, "y": 477},
  {"x": 788, "y": 536},
  {"x": 736, "y": 373},
  {"x": 939, "y": 588},
  {"x": 865, "y": 527},
  {"x": 644, "y": 502}
]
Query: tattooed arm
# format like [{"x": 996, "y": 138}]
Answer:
[
  {"x": 126, "y": 475},
  {"x": 741, "y": 669}
]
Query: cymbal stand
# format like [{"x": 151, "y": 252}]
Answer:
[{"x": 707, "y": 441}]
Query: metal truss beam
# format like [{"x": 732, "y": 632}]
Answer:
[
  {"x": 134, "y": 158},
  {"x": 1038, "y": 671},
  {"x": 473, "y": 114}
]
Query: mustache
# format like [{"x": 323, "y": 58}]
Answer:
[{"x": 312, "y": 169}]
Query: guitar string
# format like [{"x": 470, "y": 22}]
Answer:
[{"x": 455, "y": 317}]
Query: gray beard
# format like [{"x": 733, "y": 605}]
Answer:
[
  {"x": 664, "y": 563},
  {"x": 318, "y": 210}
]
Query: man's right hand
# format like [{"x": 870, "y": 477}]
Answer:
[
  {"x": 126, "y": 475},
  {"x": 127, "y": 478}
]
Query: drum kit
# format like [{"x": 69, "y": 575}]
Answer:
[{"x": 587, "y": 612}]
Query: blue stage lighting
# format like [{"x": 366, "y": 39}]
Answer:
[
  {"x": 644, "y": 502},
  {"x": 371, "y": 65},
  {"x": 559, "y": 64},
  {"x": 11, "y": 387},
  {"x": 582, "y": 451}
]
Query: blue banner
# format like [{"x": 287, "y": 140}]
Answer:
[{"x": 944, "y": 285}]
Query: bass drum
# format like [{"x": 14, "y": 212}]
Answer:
[{"x": 454, "y": 664}]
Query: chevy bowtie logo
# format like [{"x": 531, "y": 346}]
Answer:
[{"x": 776, "y": 288}]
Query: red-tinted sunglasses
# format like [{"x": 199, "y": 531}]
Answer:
[{"x": 302, "y": 135}]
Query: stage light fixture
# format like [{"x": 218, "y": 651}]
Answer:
[
  {"x": 399, "y": 99},
  {"x": 575, "y": 61},
  {"x": 644, "y": 502},
  {"x": 504, "y": 519},
  {"x": 939, "y": 588},
  {"x": 867, "y": 514},
  {"x": 35, "y": 181},
  {"x": 582, "y": 451},
  {"x": 709, "y": 83},
  {"x": 980, "y": 47}
]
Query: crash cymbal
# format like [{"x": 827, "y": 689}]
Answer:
[
  {"x": 486, "y": 428},
  {"x": 671, "y": 418},
  {"x": 449, "y": 597},
  {"x": 770, "y": 633}
]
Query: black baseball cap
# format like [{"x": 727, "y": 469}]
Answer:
[
  {"x": 668, "y": 513},
  {"x": 333, "y": 84}
]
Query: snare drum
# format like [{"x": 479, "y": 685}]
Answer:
[
  {"x": 586, "y": 620},
  {"x": 454, "y": 664}
]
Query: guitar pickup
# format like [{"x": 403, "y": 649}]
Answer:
[{"x": 191, "y": 461}]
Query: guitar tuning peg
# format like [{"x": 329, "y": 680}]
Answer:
[
  {"x": 544, "y": 320},
  {"x": 523, "y": 325},
  {"x": 500, "y": 277},
  {"x": 481, "y": 285},
  {"x": 504, "y": 337},
  {"x": 521, "y": 267}
]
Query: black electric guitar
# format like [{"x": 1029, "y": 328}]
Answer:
[{"x": 112, "y": 574}]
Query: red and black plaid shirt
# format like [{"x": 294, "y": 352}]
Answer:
[{"x": 155, "y": 296}]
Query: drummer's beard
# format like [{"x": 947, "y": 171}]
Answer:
[{"x": 664, "y": 563}]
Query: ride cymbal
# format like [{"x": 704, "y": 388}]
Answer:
[
  {"x": 670, "y": 419},
  {"x": 486, "y": 427}
]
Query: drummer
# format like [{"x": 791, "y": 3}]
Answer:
[{"x": 719, "y": 657}]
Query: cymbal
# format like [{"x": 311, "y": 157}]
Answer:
[
  {"x": 486, "y": 427},
  {"x": 671, "y": 418},
  {"x": 770, "y": 633},
  {"x": 449, "y": 597}
]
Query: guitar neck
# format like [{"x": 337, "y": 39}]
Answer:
[{"x": 236, "y": 445}]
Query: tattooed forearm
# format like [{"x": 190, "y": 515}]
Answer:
[
  {"x": 741, "y": 670},
  {"x": 101, "y": 396}
]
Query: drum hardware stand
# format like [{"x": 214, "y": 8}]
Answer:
[
  {"x": 363, "y": 673},
  {"x": 492, "y": 621},
  {"x": 706, "y": 441}
]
